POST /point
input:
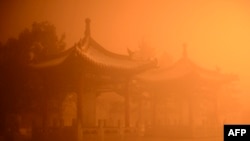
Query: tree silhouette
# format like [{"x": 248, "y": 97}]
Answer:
[{"x": 21, "y": 89}]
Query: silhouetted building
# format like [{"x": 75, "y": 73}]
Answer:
[
  {"x": 88, "y": 69},
  {"x": 183, "y": 97}
]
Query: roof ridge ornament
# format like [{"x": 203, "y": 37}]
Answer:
[
  {"x": 184, "y": 51},
  {"x": 87, "y": 27}
]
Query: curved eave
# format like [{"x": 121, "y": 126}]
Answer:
[
  {"x": 100, "y": 58},
  {"x": 106, "y": 52},
  {"x": 183, "y": 68},
  {"x": 52, "y": 61},
  {"x": 102, "y": 67}
]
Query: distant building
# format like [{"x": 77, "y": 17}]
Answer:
[{"x": 184, "y": 96}]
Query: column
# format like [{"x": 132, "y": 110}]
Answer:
[
  {"x": 191, "y": 114},
  {"x": 127, "y": 105},
  {"x": 87, "y": 107}
]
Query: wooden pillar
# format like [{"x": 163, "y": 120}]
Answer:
[
  {"x": 182, "y": 108},
  {"x": 140, "y": 119},
  {"x": 154, "y": 116},
  {"x": 127, "y": 105},
  {"x": 191, "y": 114},
  {"x": 79, "y": 131},
  {"x": 88, "y": 101},
  {"x": 88, "y": 104},
  {"x": 216, "y": 106}
]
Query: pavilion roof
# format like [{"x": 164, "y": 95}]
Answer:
[
  {"x": 185, "y": 68},
  {"x": 92, "y": 53}
]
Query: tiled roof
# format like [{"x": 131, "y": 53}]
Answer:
[{"x": 90, "y": 52}]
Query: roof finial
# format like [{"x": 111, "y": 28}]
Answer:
[
  {"x": 87, "y": 27},
  {"x": 184, "y": 53}
]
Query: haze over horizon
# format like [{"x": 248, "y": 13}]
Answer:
[{"x": 217, "y": 32}]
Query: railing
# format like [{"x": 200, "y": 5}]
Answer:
[
  {"x": 118, "y": 133},
  {"x": 90, "y": 134}
]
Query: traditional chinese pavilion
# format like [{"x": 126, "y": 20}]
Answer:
[
  {"x": 184, "y": 94},
  {"x": 89, "y": 69}
]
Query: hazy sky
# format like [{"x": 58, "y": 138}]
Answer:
[{"x": 217, "y": 32}]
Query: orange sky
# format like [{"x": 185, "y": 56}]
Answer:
[{"x": 217, "y": 32}]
